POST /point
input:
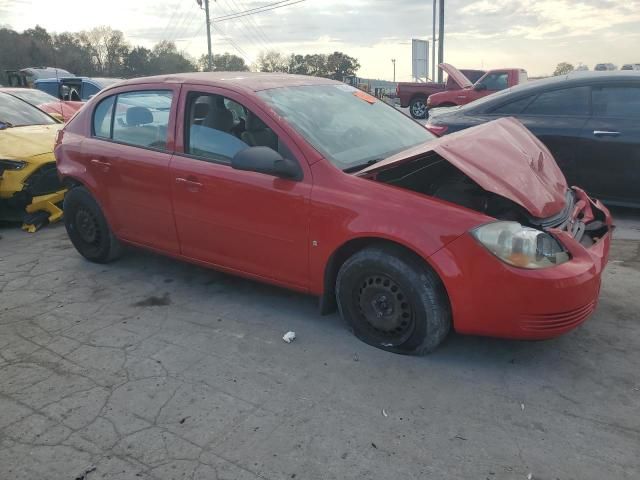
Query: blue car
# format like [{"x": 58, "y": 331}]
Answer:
[{"x": 75, "y": 89}]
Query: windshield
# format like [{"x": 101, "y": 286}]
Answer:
[
  {"x": 33, "y": 96},
  {"x": 349, "y": 127},
  {"x": 19, "y": 113}
]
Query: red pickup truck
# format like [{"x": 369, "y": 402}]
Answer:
[
  {"x": 414, "y": 95},
  {"x": 490, "y": 82}
]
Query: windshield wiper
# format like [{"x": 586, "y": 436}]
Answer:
[{"x": 361, "y": 166}]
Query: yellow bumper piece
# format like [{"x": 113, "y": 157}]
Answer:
[{"x": 47, "y": 205}]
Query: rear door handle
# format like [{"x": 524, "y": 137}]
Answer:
[
  {"x": 104, "y": 166},
  {"x": 605, "y": 133},
  {"x": 191, "y": 185}
]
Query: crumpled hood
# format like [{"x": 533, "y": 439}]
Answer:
[
  {"x": 22, "y": 143},
  {"x": 502, "y": 157}
]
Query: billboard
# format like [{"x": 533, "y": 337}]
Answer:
[{"x": 419, "y": 58}]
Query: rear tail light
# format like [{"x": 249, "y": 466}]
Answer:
[{"x": 437, "y": 130}]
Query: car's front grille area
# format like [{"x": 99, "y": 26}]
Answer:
[
  {"x": 43, "y": 181},
  {"x": 548, "y": 322}
]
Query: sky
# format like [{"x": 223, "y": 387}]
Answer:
[{"x": 531, "y": 34}]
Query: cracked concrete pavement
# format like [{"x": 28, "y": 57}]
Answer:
[{"x": 154, "y": 369}]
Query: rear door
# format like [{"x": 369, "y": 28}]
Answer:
[
  {"x": 243, "y": 221},
  {"x": 610, "y": 164},
  {"x": 128, "y": 154}
]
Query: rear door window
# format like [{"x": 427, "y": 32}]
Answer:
[
  {"x": 565, "y": 101},
  {"x": 614, "y": 101},
  {"x": 142, "y": 118}
]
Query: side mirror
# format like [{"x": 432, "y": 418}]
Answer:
[
  {"x": 479, "y": 87},
  {"x": 266, "y": 160}
]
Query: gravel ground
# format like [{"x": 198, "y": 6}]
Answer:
[{"x": 150, "y": 368}]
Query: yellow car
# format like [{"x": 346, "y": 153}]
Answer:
[{"x": 30, "y": 190}]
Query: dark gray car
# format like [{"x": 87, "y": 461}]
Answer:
[{"x": 589, "y": 121}]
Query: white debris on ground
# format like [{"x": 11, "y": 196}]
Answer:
[
  {"x": 384, "y": 413},
  {"x": 289, "y": 337},
  {"x": 530, "y": 476},
  {"x": 522, "y": 406}
]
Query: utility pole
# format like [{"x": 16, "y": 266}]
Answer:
[
  {"x": 206, "y": 11},
  {"x": 441, "y": 40},
  {"x": 393, "y": 60},
  {"x": 433, "y": 45}
]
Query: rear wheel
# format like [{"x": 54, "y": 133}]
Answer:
[
  {"x": 418, "y": 107},
  {"x": 87, "y": 227},
  {"x": 393, "y": 301}
]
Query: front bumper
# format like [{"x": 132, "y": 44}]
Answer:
[{"x": 489, "y": 297}]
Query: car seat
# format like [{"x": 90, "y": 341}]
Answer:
[
  {"x": 219, "y": 116},
  {"x": 257, "y": 134}
]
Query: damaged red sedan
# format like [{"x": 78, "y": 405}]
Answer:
[{"x": 313, "y": 185}]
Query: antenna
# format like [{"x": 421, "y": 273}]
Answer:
[{"x": 55, "y": 59}]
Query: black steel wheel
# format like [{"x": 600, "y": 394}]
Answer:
[
  {"x": 393, "y": 300},
  {"x": 87, "y": 227}
]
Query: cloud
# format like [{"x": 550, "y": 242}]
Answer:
[{"x": 535, "y": 34}]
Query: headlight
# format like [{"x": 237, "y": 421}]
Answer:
[
  {"x": 520, "y": 246},
  {"x": 12, "y": 164}
]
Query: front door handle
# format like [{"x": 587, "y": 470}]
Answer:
[
  {"x": 605, "y": 133},
  {"x": 192, "y": 185},
  {"x": 103, "y": 165}
]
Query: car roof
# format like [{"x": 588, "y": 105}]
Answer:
[
  {"x": 533, "y": 86},
  {"x": 253, "y": 81}
]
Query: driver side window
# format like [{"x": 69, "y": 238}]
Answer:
[
  {"x": 496, "y": 81},
  {"x": 216, "y": 128}
]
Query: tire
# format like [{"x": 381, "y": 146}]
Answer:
[
  {"x": 87, "y": 227},
  {"x": 418, "y": 108},
  {"x": 393, "y": 301}
]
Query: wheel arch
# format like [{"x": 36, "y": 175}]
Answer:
[{"x": 349, "y": 248}]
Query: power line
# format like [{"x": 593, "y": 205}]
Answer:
[
  {"x": 248, "y": 31},
  {"x": 253, "y": 11},
  {"x": 251, "y": 20}
]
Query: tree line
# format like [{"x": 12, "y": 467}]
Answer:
[{"x": 105, "y": 52}]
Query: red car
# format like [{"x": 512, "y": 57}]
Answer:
[
  {"x": 491, "y": 82},
  {"x": 61, "y": 110},
  {"x": 350, "y": 201}
]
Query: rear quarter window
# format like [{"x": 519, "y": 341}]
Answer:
[
  {"x": 102, "y": 116},
  {"x": 138, "y": 118}
]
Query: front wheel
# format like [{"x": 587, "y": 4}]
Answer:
[
  {"x": 87, "y": 227},
  {"x": 393, "y": 301},
  {"x": 418, "y": 108}
]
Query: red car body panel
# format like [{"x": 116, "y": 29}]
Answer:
[
  {"x": 286, "y": 232},
  {"x": 467, "y": 93},
  {"x": 65, "y": 109},
  {"x": 534, "y": 181}
]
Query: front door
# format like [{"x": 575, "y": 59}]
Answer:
[
  {"x": 243, "y": 221},
  {"x": 557, "y": 118},
  {"x": 610, "y": 166}
]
